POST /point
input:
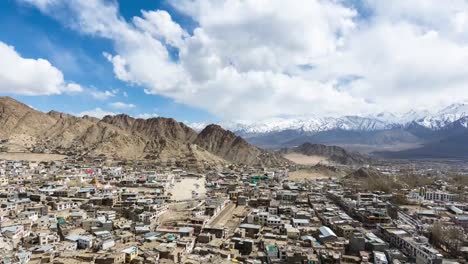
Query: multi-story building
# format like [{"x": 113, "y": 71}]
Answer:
[{"x": 417, "y": 248}]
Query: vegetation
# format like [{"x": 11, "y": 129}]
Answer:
[
  {"x": 414, "y": 180},
  {"x": 449, "y": 238}
]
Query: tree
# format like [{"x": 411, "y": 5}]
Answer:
[{"x": 437, "y": 234}]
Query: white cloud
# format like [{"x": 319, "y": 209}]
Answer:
[
  {"x": 96, "y": 112},
  {"x": 122, "y": 105},
  {"x": 160, "y": 25},
  {"x": 258, "y": 58},
  {"x": 43, "y": 5},
  {"x": 101, "y": 95},
  {"x": 73, "y": 88},
  {"x": 147, "y": 115},
  {"x": 27, "y": 76}
]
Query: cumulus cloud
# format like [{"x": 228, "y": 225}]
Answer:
[
  {"x": 122, "y": 105},
  {"x": 26, "y": 76},
  {"x": 255, "y": 59}
]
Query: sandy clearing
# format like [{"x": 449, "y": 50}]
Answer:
[{"x": 183, "y": 190}]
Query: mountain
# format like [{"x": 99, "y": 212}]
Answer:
[
  {"x": 444, "y": 117},
  {"x": 158, "y": 127},
  {"x": 20, "y": 123},
  {"x": 333, "y": 154},
  {"x": 310, "y": 125},
  {"x": 376, "y": 133},
  {"x": 373, "y": 122},
  {"x": 231, "y": 147},
  {"x": 122, "y": 137}
]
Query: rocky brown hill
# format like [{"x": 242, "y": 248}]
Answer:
[
  {"x": 233, "y": 148},
  {"x": 158, "y": 127},
  {"x": 20, "y": 123},
  {"x": 122, "y": 137}
]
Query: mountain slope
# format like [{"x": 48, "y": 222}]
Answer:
[
  {"x": 121, "y": 137},
  {"x": 233, "y": 148},
  {"x": 334, "y": 154},
  {"x": 159, "y": 127},
  {"x": 21, "y": 124},
  {"x": 372, "y": 134}
]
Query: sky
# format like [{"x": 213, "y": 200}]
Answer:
[{"x": 214, "y": 60}]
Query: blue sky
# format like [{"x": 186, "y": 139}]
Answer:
[
  {"x": 79, "y": 57},
  {"x": 221, "y": 60}
]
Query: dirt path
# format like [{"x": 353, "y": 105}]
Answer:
[{"x": 223, "y": 216}]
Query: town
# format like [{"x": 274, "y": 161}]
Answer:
[
  {"x": 233, "y": 131},
  {"x": 98, "y": 211}
]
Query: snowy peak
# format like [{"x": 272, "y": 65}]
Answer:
[
  {"x": 310, "y": 124},
  {"x": 455, "y": 113},
  {"x": 444, "y": 117},
  {"x": 413, "y": 115},
  {"x": 386, "y": 117},
  {"x": 459, "y": 108}
]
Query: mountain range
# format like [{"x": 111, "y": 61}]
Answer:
[
  {"x": 23, "y": 129},
  {"x": 415, "y": 134},
  {"x": 385, "y": 135}
]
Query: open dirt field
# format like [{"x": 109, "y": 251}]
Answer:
[
  {"x": 306, "y": 160},
  {"x": 30, "y": 156},
  {"x": 183, "y": 190}
]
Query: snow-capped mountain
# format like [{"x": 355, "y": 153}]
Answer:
[
  {"x": 380, "y": 121},
  {"x": 441, "y": 133},
  {"x": 386, "y": 117},
  {"x": 413, "y": 126},
  {"x": 310, "y": 124},
  {"x": 444, "y": 117}
]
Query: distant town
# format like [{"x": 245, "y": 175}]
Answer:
[{"x": 93, "y": 210}]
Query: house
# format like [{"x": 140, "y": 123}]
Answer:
[
  {"x": 251, "y": 230},
  {"x": 46, "y": 238},
  {"x": 326, "y": 234},
  {"x": 130, "y": 253},
  {"x": 60, "y": 206},
  {"x": 13, "y": 232},
  {"x": 300, "y": 222},
  {"x": 83, "y": 242}
]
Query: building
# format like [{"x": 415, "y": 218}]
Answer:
[{"x": 417, "y": 248}]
